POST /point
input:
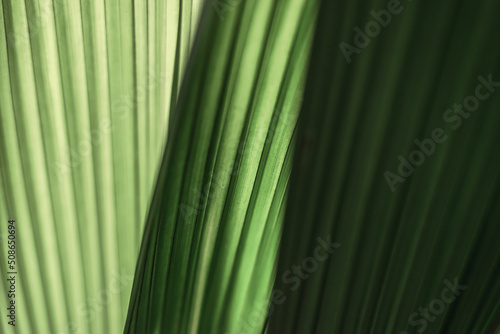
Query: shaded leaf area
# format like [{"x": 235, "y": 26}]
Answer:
[
  {"x": 210, "y": 242},
  {"x": 86, "y": 88},
  {"x": 399, "y": 250}
]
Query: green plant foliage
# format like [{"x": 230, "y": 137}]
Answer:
[
  {"x": 210, "y": 243},
  {"x": 264, "y": 166},
  {"x": 86, "y": 89},
  {"x": 398, "y": 245}
]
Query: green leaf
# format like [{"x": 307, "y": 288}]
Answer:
[
  {"x": 397, "y": 248},
  {"x": 215, "y": 220},
  {"x": 86, "y": 90}
]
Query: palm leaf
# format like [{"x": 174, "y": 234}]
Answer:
[
  {"x": 215, "y": 219},
  {"x": 399, "y": 241},
  {"x": 84, "y": 103},
  {"x": 240, "y": 194}
]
